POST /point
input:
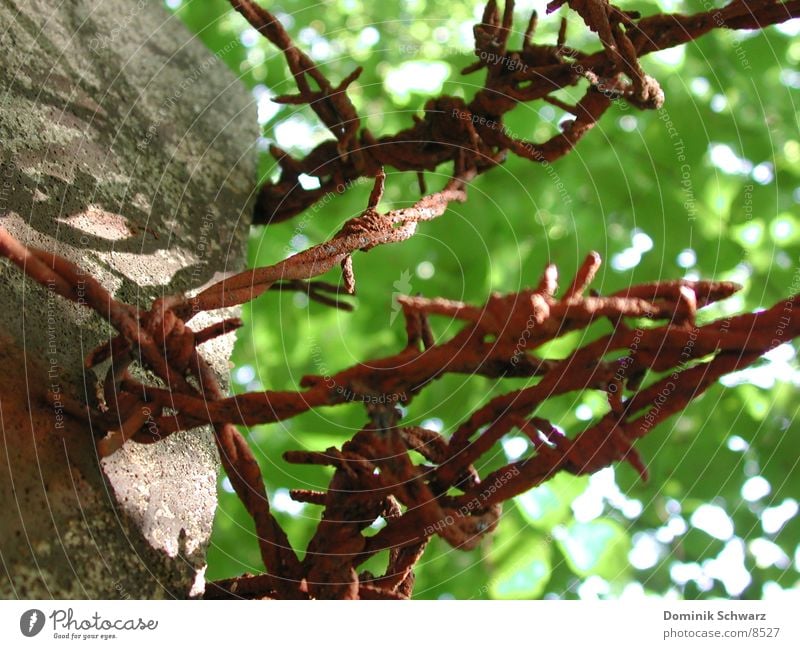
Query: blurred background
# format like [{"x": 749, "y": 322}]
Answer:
[{"x": 707, "y": 187}]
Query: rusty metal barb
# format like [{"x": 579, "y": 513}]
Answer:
[
  {"x": 645, "y": 374},
  {"x": 375, "y": 475},
  {"x": 471, "y": 133}
]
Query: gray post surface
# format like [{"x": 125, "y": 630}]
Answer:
[{"x": 127, "y": 147}]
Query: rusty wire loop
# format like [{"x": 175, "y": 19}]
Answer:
[
  {"x": 374, "y": 474},
  {"x": 654, "y": 346},
  {"x": 471, "y": 134}
]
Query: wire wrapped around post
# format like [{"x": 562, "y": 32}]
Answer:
[{"x": 374, "y": 475}]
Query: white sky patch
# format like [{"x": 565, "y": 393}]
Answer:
[
  {"x": 683, "y": 573},
  {"x": 515, "y": 447},
  {"x": 244, "y": 374},
  {"x": 687, "y": 258},
  {"x": 772, "y": 590},
  {"x": 675, "y": 527},
  {"x": 173, "y": 4},
  {"x": 307, "y": 35},
  {"x": 602, "y": 488},
  {"x": 641, "y": 241},
  {"x": 633, "y": 591},
  {"x": 630, "y": 257},
  {"x": 782, "y": 228},
  {"x": 593, "y": 588},
  {"x": 673, "y": 5},
  {"x": 584, "y": 412},
  {"x": 587, "y": 506},
  {"x": 714, "y": 521},
  {"x": 729, "y": 567},
  {"x": 724, "y": 159},
  {"x": 646, "y": 551},
  {"x": 249, "y": 37},
  {"x": 700, "y": 86},
  {"x": 627, "y": 259},
  {"x": 718, "y": 103},
  {"x": 781, "y": 354},
  {"x": 672, "y": 57},
  {"x": 282, "y": 501},
  {"x": 790, "y": 79},
  {"x": 227, "y": 486},
  {"x": 296, "y": 131},
  {"x": 566, "y": 118},
  {"x": 780, "y": 366},
  {"x": 287, "y": 20},
  {"x": 321, "y": 49},
  {"x": 368, "y": 37},
  {"x": 790, "y": 27},
  {"x": 737, "y": 444},
  {"x": 308, "y": 182},
  {"x": 774, "y": 518},
  {"x": 267, "y": 109},
  {"x": 755, "y": 488},
  {"x": 465, "y": 35},
  {"x": 526, "y": 6},
  {"x": 434, "y": 423},
  {"x": 763, "y": 173},
  {"x": 416, "y": 76},
  {"x": 632, "y": 508},
  {"x": 768, "y": 554}
]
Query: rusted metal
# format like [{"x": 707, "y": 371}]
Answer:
[
  {"x": 374, "y": 473},
  {"x": 470, "y": 133}
]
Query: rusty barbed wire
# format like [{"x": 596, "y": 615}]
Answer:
[
  {"x": 158, "y": 340},
  {"x": 646, "y": 373},
  {"x": 374, "y": 475},
  {"x": 471, "y": 134}
]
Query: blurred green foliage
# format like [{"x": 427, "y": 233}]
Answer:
[{"x": 707, "y": 187}]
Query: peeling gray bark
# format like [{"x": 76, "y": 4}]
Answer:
[{"x": 126, "y": 147}]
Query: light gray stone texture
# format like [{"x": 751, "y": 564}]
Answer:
[{"x": 126, "y": 146}]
